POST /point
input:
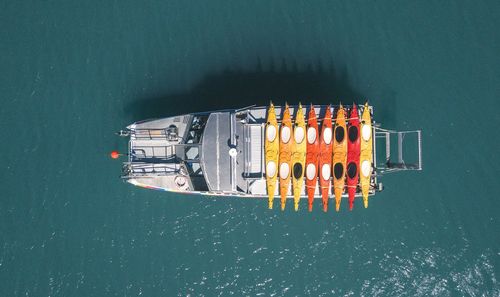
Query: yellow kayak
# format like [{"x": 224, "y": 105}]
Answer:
[
  {"x": 271, "y": 153},
  {"x": 298, "y": 156},
  {"x": 339, "y": 156},
  {"x": 285, "y": 155},
  {"x": 366, "y": 155}
]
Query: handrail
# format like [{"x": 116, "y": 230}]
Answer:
[
  {"x": 159, "y": 133},
  {"x": 166, "y": 148},
  {"x": 146, "y": 133},
  {"x": 400, "y": 164},
  {"x": 144, "y": 169}
]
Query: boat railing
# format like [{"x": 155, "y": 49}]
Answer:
[
  {"x": 152, "y": 152},
  {"x": 188, "y": 152},
  {"x": 395, "y": 141},
  {"x": 169, "y": 134},
  {"x": 131, "y": 170}
]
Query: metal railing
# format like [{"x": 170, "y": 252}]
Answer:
[
  {"x": 400, "y": 164},
  {"x": 131, "y": 170},
  {"x": 151, "y": 134}
]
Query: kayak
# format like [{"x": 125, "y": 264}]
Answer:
[
  {"x": 339, "y": 156},
  {"x": 325, "y": 157},
  {"x": 312, "y": 156},
  {"x": 298, "y": 156},
  {"x": 366, "y": 158},
  {"x": 271, "y": 153},
  {"x": 285, "y": 154},
  {"x": 353, "y": 148}
]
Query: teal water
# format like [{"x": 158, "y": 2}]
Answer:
[{"x": 74, "y": 72}]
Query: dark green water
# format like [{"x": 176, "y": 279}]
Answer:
[{"x": 74, "y": 72}]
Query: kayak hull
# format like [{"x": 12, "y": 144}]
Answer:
[
  {"x": 271, "y": 153},
  {"x": 285, "y": 155},
  {"x": 312, "y": 156},
  {"x": 298, "y": 155},
  {"x": 325, "y": 157},
  {"x": 366, "y": 151},
  {"x": 353, "y": 154},
  {"x": 339, "y": 156}
]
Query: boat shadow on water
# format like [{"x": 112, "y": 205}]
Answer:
[{"x": 238, "y": 88}]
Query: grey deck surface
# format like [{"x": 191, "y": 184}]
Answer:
[{"x": 216, "y": 162}]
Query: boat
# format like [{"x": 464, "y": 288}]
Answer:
[
  {"x": 339, "y": 156},
  {"x": 271, "y": 153},
  {"x": 298, "y": 156},
  {"x": 325, "y": 157},
  {"x": 285, "y": 155},
  {"x": 312, "y": 156},
  {"x": 353, "y": 150},
  {"x": 366, "y": 152},
  {"x": 224, "y": 153}
]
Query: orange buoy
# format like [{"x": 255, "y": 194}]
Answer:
[{"x": 115, "y": 155}]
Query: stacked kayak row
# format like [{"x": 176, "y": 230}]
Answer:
[{"x": 338, "y": 155}]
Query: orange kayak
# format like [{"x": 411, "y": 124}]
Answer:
[
  {"x": 339, "y": 156},
  {"x": 285, "y": 155},
  {"x": 271, "y": 153},
  {"x": 312, "y": 156},
  {"x": 325, "y": 157},
  {"x": 366, "y": 157},
  {"x": 298, "y": 156}
]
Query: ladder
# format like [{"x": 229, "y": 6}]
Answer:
[{"x": 396, "y": 140}]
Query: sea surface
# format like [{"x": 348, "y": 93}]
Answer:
[{"x": 75, "y": 72}]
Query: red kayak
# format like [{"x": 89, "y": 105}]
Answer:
[
  {"x": 353, "y": 149},
  {"x": 325, "y": 157},
  {"x": 312, "y": 156}
]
